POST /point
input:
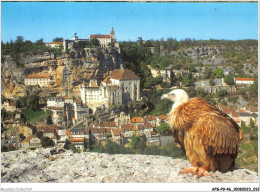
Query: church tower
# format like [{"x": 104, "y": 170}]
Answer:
[{"x": 112, "y": 34}]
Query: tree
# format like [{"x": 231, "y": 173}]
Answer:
[
  {"x": 222, "y": 93},
  {"x": 47, "y": 142},
  {"x": 252, "y": 123},
  {"x": 67, "y": 144},
  {"x": 33, "y": 102},
  {"x": 211, "y": 82},
  {"x": 19, "y": 39},
  {"x": 219, "y": 73},
  {"x": 134, "y": 141},
  {"x": 95, "y": 42},
  {"x": 57, "y": 39},
  {"x": 253, "y": 89},
  {"x": 164, "y": 129},
  {"x": 229, "y": 79}
]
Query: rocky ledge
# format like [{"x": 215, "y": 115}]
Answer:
[{"x": 41, "y": 165}]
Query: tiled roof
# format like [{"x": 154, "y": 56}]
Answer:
[
  {"x": 135, "y": 128},
  {"x": 137, "y": 120},
  {"x": 116, "y": 132},
  {"x": 28, "y": 139},
  {"x": 48, "y": 128},
  {"x": 127, "y": 127},
  {"x": 112, "y": 31},
  {"x": 108, "y": 124},
  {"x": 107, "y": 80},
  {"x": 245, "y": 79},
  {"x": 35, "y": 76},
  {"x": 148, "y": 125},
  {"x": 149, "y": 118},
  {"x": 123, "y": 74},
  {"x": 234, "y": 114},
  {"x": 163, "y": 117},
  {"x": 55, "y": 43},
  {"x": 77, "y": 139},
  {"x": 12, "y": 104},
  {"x": 255, "y": 109},
  {"x": 99, "y": 36}
]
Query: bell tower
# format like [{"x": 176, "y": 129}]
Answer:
[{"x": 112, "y": 34}]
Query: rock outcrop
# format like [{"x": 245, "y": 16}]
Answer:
[
  {"x": 65, "y": 71},
  {"x": 67, "y": 167}
]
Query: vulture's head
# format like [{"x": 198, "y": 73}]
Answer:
[{"x": 178, "y": 96}]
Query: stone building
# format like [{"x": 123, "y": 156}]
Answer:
[
  {"x": 104, "y": 40},
  {"x": 37, "y": 79},
  {"x": 123, "y": 86},
  {"x": 54, "y": 44},
  {"x": 31, "y": 142}
]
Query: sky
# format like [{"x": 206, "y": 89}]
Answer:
[{"x": 47, "y": 20}]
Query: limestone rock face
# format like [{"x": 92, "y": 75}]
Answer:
[
  {"x": 65, "y": 72},
  {"x": 40, "y": 166}
]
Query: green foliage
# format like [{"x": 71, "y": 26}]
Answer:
[
  {"x": 7, "y": 149},
  {"x": 219, "y": 73},
  {"x": 152, "y": 150},
  {"x": 245, "y": 128},
  {"x": 134, "y": 141},
  {"x": 73, "y": 148},
  {"x": 222, "y": 93},
  {"x": 211, "y": 82},
  {"x": 33, "y": 102},
  {"x": 3, "y": 129},
  {"x": 171, "y": 150},
  {"x": 164, "y": 129},
  {"x": 165, "y": 62},
  {"x": 35, "y": 116},
  {"x": 57, "y": 39},
  {"x": 188, "y": 79},
  {"x": 95, "y": 42},
  {"x": 114, "y": 148},
  {"x": 253, "y": 89},
  {"x": 159, "y": 106},
  {"x": 47, "y": 142},
  {"x": 229, "y": 79},
  {"x": 209, "y": 74}
]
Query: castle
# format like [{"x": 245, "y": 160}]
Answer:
[
  {"x": 121, "y": 87},
  {"x": 104, "y": 41}
]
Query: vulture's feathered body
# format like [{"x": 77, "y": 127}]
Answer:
[{"x": 209, "y": 137}]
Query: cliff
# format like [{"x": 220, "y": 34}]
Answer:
[
  {"x": 66, "y": 72},
  {"x": 67, "y": 167}
]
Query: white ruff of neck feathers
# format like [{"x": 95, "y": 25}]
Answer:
[{"x": 181, "y": 100}]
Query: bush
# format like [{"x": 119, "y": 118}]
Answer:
[
  {"x": 47, "y": 142},
  {"x": 171, "y": 150},
  {"x": 164, "y": 129}
]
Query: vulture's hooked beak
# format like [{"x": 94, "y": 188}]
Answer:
[{"x": 164, "y": 96}]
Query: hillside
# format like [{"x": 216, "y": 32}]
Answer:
[{"x": 40, "y": 166}]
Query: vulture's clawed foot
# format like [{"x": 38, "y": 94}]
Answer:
[
  {"x": 194, "y": 170},
  {"x": 203, "y": 172},
  {"x": 199, "y": 171}
]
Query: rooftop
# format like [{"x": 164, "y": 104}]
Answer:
[
  {"x": 99, "y": 36},
  {"x": 123, "y": 74},
  {"x": 37, "y": 76},
  {"x": 245, "y": 79}
]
